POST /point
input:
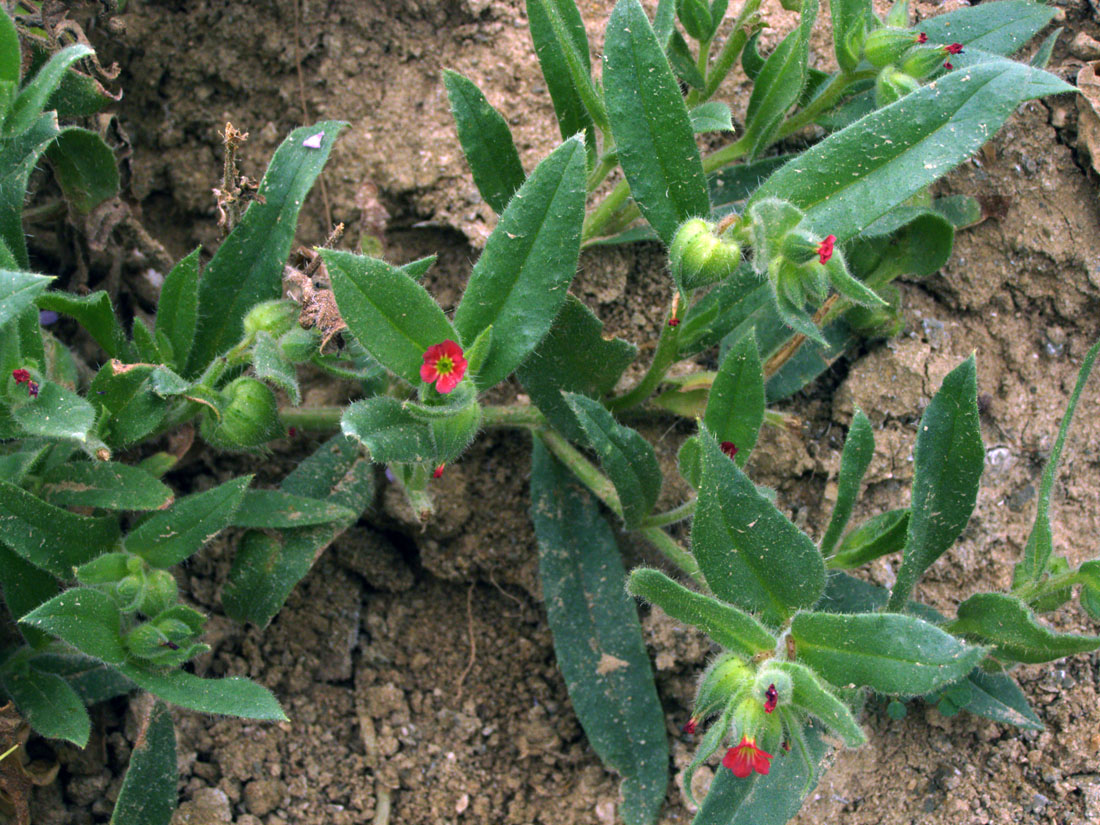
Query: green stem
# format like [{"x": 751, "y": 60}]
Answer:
[
  {"x": 322, "y": 419},
  {"x": 604, "y": 211},
  {"x": 665, "y": 356},
  {"x": 726, "y": 155},
  {"x": 839, "y": 84},
  {"x": 684, "y": 511},
  {"x": 694, "y": 97},
  {"x": 731, "y": 49},
  {"x": 675, "y": 554},
  {"x": 511, "y": 416},
  {"x": 608, "y": 161},
  {"x": 1034, "y": 590},
  {"x": 585, "y": 471}
]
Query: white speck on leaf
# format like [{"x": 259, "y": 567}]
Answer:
[{"x": 314, "y": 141}]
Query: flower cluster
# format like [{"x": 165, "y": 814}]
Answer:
[{"x": 24, "y": 377}]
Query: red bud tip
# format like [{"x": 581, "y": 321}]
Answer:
[
  {"x": 674, "y": 322},
  {"x": 438, "y": 471},
  {"x": 947, "y": 65},
  {"x": 32, "y": 389},
  {"x": 825, "y": 248},
  {"x": 922, "y": 38},
  {"x": 786, "y": 747},
  {"x": 690, "y": 726},
  {"x": 954, "y": 48},
  {"x": 729, "y": 448},
  {"x": 771, "y": 699}
]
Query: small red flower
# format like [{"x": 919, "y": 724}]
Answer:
[
  {"x": 954, "y": 48},
  {"x": 729, "y": 448},
  {"x": 825, "y": 248},
  {"x": 922, "y": 38},
  {"x": 690, "y": 726},
  {"x": 21, "y": 376},
  {"x": 771, "y": 699},
  {"x": 947, "y": 65},
  {"x": 438, "y": 471},
  {"x": 445, "y": 364},
  {"x": 32, "y": 389},
  {"x": 746, "y": 758},
  {"x": 292, "y": 432},
  {"x": 674, "y": 322}
]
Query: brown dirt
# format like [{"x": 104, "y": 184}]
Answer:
[{"x": 415, "y": 664}]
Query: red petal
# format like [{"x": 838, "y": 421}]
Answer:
[
  {"x": 428, "y": 372},
  {"x": 438, "y": 471},
  {"x": 738, "y": 762}
]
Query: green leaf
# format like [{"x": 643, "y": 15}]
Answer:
[
  {"x": 1008, "y": 624},
  {"x": 266, "y": 569},
  {"x": 995, "y": 696},
  {"x": 1040, "y": 543},
  {"x": 730, "y": 627},
  {"x": 274, "y": 508},
  {"x": 711, "y": 117},
  {"x": 735, "y": 183},
  {"x": 85, "y": 168},
  {"x": 650, "y": 124},
  {"x": 597, "y": 637},
  {"x": 626, "y": 457},
  {"x": 146, "y": 347},
  {"x": 682, "y": 62},
  {"x": 269, "y": 364},
  {"x": 859, "y": 449},
  {"x": 486, "y": 140},
  {"x": 947, "y": 463},
  {"x": 170, "y": 536},
  {"x": 248, "y": 266},
  {"x": 1000, "y": 29},
  {"x": 855, "y": 176},
  {"x": 750, "y": 553},
  {"x": 18, "y": 157},
  {"x": 131, "y": 408},
  {"x": 574, "y": 357},
  {"x": 878, "y": 536},
  {"x": 519, "y": 283},
  {"x": 391, "y": 432},
  {"x": 891, "y": 653},
  {"x": 92, "y": 680},
  {"x": 419, "y": 268},
  {"x": 812, "y": 696},
  {"x": 232, "y": 696},
  {"x": 149, "y": 790},
  {"x": 177, "y": 309},
  {"x": 32, "y": 98},
  {"x": 86, "y": 618},
  {"x": 50, "y": 538},
  {"x": 772, "y": 799},
  {"x": 18, "y": 291},
  {"x": 779, "y": 84},
  {"x": 1042, "y": 55},
  {"x": 10, "y": 58},
  {"x": 46, "y": 702},
  {"x": 735, "y": 407},
  {"x": 387, "y": 311},
  {"x": 56, "y": 413},
  {"x": 24, "y": 588},
  {"x": 731, "y": 305},
  {"x": 93, "y": 312},
  {"x": 105, "y": 484},
  {"x": 849, "y": 24},
  {"x": 561, "y": 45}
]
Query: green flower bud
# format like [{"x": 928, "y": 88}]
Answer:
[
  {"x": 299, "y": 345},
  {"x": 921, "y": 61},
  {"x": 695, "y": 18},
  {"x": 719, "y": 683},
  {"x": 749, "y": 718},
  {"x": 800, "y": 247},
  {"x": 249, "y": 416},
  {"x": 772, "y": 688},
  {"x": 791, "y": 5},
  {"x": 892, "y": 85},
  {"x": 886, "y": 45},
  {"x": 106, "y": 569},
  {"x": 698, "y": 257},
  {"x": 145, "y": 641},
  {"x": 174, "y": 630},
  {"x": 160, "y": 593},
  {"x": 272, "y": 317},
  {"x": 129, "y": 591}
]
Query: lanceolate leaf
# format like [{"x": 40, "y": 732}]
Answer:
[
  {"x": 626, "y": 457},
  {"x": 169, "y": 537},
  {"x": 859, "y": 448},
  {"x": 560, "y": 39},
  {"x": 520, "y": 281},
  {"x": 811, "y": 695},
  {"x": 735, "y": 407},
  {"x": 148, "y": 795},
  {"x": 995, "y": 696},
  {"x": 49, "y": 537},
  {"x": 177, "y": 309},
  {"x": 878, "y": 536},
  {"x": 24, "y": 588},
  {"x": 1000, "y": 29},
  {"x": 387, "y": 311},
  {"x": 85, "y": 168},
  {"x": 93, "y": 312},
  {"x": 275, "y": 508},
  {"x": 232, "y": 696},
  {"x": 46, "y": 701},
  {"x": 32, "y": 98},
  {"x": 106, "y": 484},
  {"x": 750, "y": 553},
  {"x": 486, "y": 140},
  {"x": 733, "y": 629},
  {"x": 948, "y": 460},
  {"x": 855, "y": 176},
  {"x": 248, "y": 266},
  {"x": 56, "y": 413},
  {"x": 9, "y": 50},
  {"x": 597, "y": 637},
  {"x": 574, "y": 357},
  {"x": 86, "y": 618},
  {"x": 889, "y": 652},
  {"x": 18, "y": 291},
  {"x": 1008, "y": 624},
  {"x": 18, "y": 156},
  {"x": 650, "y": 124}
]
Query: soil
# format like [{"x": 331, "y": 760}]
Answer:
[{"x": 414, "y": 662}]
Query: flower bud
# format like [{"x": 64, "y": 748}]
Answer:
[
  {"x": 160, "y": 592},
  {"x": 299, "y": 345},
  {"x": 886, "y": 45},
  {"x": 772, "y": 687},
  {"x": 272, "y": 317},
  {"x": 105, "y": 569},
  {"x": 145, "y": 641},
  {"x": 129, "y": 591},
  {"x": 892, "y": 85},
  {"x": 921, "y": 61},
  {"x": 719, "y": 683},
  {"x": 749, "y": 717},
  {"x": 698, "y": 257},
  {"x": 249, "y": 416},
  {"x": 800, "y": 247},
  {"x": 174, "y": 630},
  {"x": 695, "y": 18}
]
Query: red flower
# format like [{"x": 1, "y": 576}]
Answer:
[
  {"x": 771, "y": 699},
  {"x": 746, "y": 758},
  {"x": 21, "y": 376},
  {"x": 443, "y": 363},
  {"x": 825, "y": 248},
  {"x": 922, "y": 38},
  {"x": 947, "y": 65},
  {"x": 954, "y": 48},
  {"x": 674, "y": 322},
  {"x": 438, "y": 471},
  {"x": 690, "y": 726},
  {"x": 32, "y": 389},
  {"x": 729, "y": 448}
]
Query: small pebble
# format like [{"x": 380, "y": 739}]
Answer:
[{"x": 1084, "y": 47}]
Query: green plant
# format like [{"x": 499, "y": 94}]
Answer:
[{"x": 781, "y": 260}]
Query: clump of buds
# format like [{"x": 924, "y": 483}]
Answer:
[
  {"x": 249, "y": 416},
  {"x": 700, "y": 256}
]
